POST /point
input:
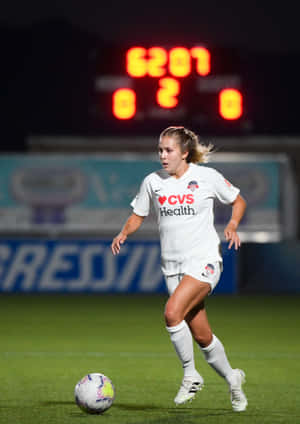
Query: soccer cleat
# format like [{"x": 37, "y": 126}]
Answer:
[
  {"x": 188, "y": 389},
  {"x": 238, "y": 399}
]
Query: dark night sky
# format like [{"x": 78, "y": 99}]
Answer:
[
  {"x": 264, "y": 25},
  {"x": 51, "y": 52}
]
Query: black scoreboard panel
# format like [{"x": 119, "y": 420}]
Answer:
[{"x": 143, "y": 88}]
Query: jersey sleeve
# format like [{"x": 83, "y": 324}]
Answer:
[
  {"x": 141, "y": 202},
  {"x": 223, "y": 189}
]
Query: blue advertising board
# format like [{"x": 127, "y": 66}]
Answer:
[
  {"x": 277, "y": 273},
  {"x": 88, "y": 266}
]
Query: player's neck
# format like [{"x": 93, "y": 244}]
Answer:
[{"x": 181, "y": 170}]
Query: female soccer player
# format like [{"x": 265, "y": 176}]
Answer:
[{"x": 183, "y": 194}]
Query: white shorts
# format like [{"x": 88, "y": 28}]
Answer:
[{"x": 206, "y": 272}]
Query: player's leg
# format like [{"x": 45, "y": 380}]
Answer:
[
  {"x": 187, "y": 296},
  {"x": 215, "y": 355},
  {"x": 210, "y": 345},
  {"x": 185, "y": 350},
  {"x": 186, "y": 293}
]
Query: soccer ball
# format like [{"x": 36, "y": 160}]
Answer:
[{"x": 94, "y": 393}]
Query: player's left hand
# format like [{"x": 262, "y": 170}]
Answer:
[{"x": 232, "y": 236}]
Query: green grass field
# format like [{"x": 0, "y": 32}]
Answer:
[{"x": 49, "y": 342}]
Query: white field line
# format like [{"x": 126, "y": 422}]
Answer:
[
  {"x": 250, "y": 356},
  {"x": 85, "y": 354}
]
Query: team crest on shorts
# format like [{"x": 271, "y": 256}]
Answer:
[
  {"x": 192, "y": 185},
  {"x": 209, "y": 271}
]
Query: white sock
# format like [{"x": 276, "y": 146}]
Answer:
[
  {"x": 216, "y": 357},
  {"x": 182, "y": 340}
]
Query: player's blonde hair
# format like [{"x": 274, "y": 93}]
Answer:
[{"x": 189, "y": 142}]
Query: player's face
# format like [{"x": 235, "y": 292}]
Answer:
[{"x": 171, "y": 156}]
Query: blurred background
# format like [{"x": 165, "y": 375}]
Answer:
[{"x": 86, "y": 90}]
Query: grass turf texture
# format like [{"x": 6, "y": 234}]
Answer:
[{"x": 49, "y": 342}]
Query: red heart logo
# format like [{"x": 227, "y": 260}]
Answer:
[{"x": 162, "y": 199}]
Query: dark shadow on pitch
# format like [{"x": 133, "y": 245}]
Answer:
[
  {"x": 182, "y": 415},
  {"x": 56, "y": 403},
  {"x": 138, "y": 407},
  {"x": 205, "y": 412}
]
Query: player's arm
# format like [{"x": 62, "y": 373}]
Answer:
[
  {"x": 238, "y": 210},
  {"x": 132, "y": 224}
]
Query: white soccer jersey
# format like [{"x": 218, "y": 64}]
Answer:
[{"x": 184, "y": 208}]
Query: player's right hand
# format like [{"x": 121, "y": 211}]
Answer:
[{"x": 116, "y": 243}]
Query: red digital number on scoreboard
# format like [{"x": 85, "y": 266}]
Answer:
[{"x": 157, "y": 62}]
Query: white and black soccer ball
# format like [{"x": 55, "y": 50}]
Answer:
[{"x": 94, "y": 393}]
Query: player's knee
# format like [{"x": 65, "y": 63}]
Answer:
[
  {"x": 203, "y": 339},
  {"x": 172, "y": 315}
]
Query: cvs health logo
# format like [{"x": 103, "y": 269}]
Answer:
[{"x": 177, "y": 199}]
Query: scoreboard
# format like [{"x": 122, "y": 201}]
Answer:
[{"x": 143, "y": 88}]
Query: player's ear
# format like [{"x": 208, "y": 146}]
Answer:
[{"x": 185, "y": 155}]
